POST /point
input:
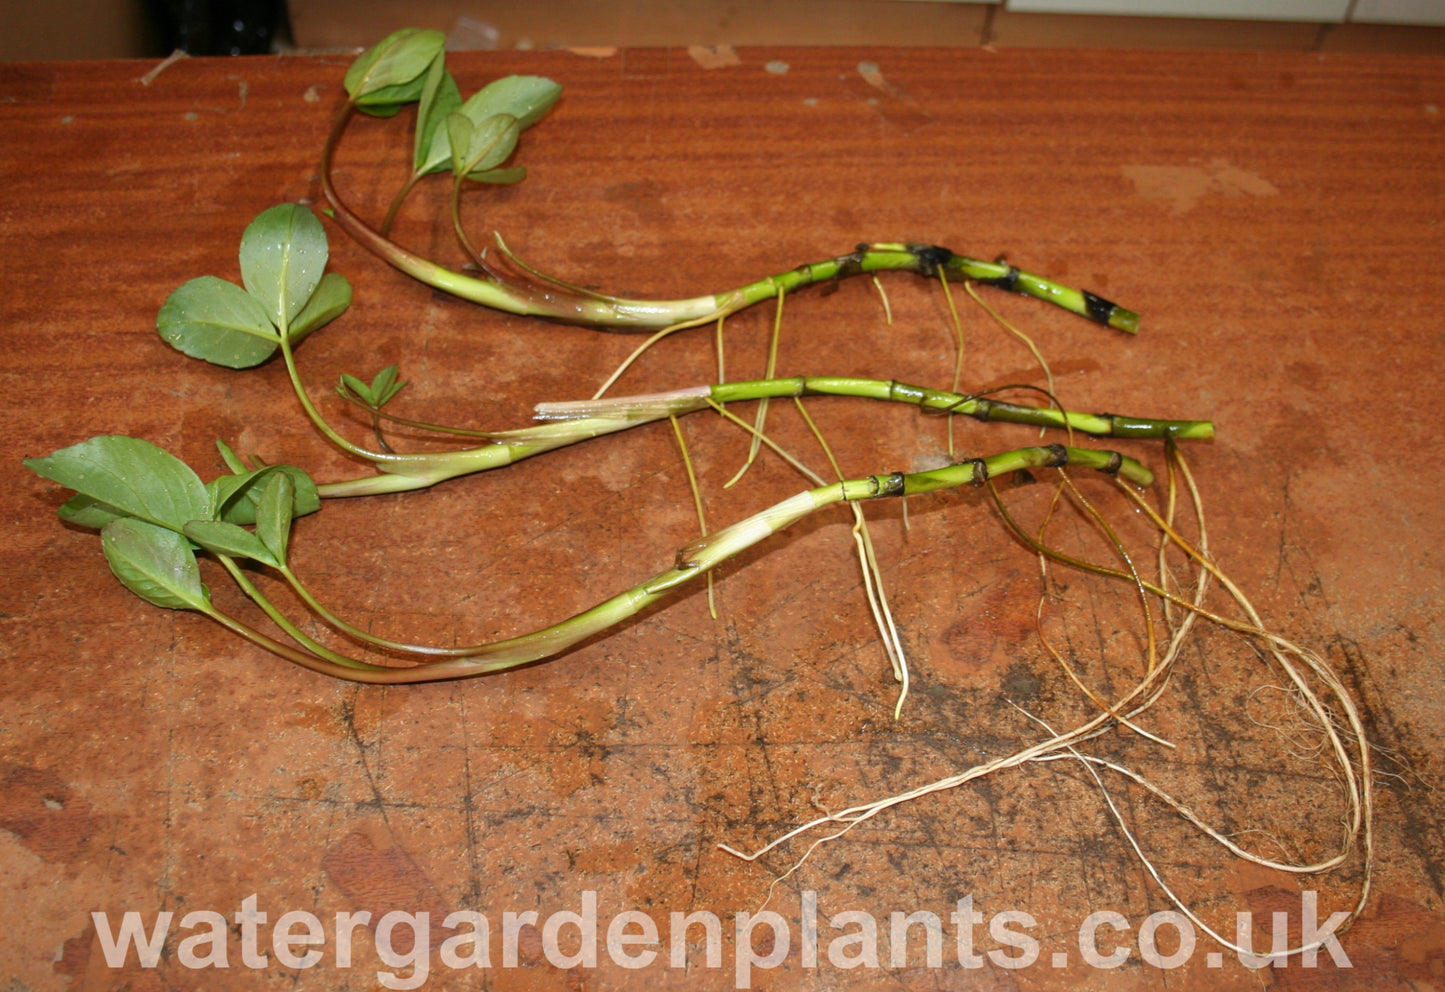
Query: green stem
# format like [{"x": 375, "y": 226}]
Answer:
[
  {"x": 397, "y": 201},
  {"x": 696, "y": 559},
  {"x": 314, "y": 415},
  {"x": 571, "y": 422},
  {"x": 425, "y": 271},
  {"x": 356, "y": 633},
  {"x": 890, "y": 390},
  {"x": 238, "y": 575},
  {"x": 460, "y": 231},
  {"x": 403, "y": 473},
  {"x": 928, "y": 261},
  {"x": 532, "y": 294}
]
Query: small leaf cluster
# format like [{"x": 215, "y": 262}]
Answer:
[
  {"x": 383, "y": 386},
  {"x": 285, "y": 293},
  {"x": 154, "y": 512},
  {"x": 470, "y": 138}
]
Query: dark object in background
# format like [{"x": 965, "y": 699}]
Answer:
[{"x": 220, "y": 27}]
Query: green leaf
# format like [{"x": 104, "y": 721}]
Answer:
[
  {"x": 155, "y": 563},
  {"x": 232, "y": 460},
  {"x": 222, "y": 538},
  {"x": 460, "y": 131},
  {"x": 393, "y": 72},
  {"x": 274, "y": 513},
  {"x": 526, "y": 98},
  {"x": 499, "y": 177},
  {"x": 130, "y": 476},
  {"x": 479, "y": 147},
  {"x": 283, "y": 254},
  {"x": 494, "y": 142},
  {"x": 329, "y": 301},
  {"x": 235, "y": 497},
  {"x": 385, "y": 385},
  {"x": 360, "y": 389},
  {"x": 84, "y": 511},
  {"x": 432, "y": 151},
  {"x": 218, "y": 321}
]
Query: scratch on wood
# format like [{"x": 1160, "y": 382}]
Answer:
[
  {"x": 897, "y": 106},
  {"x": 162, "y": 66},
  {"x": 714, "y": 56}
]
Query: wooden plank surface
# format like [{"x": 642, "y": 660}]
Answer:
[{"x": 1275, "y": 218}]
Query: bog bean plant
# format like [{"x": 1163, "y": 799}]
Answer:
[{"x": 158, "y": 518}]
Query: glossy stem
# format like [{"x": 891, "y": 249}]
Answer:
[
  {"x": 699, "y": 557},
  {"x": 534, "y": 294}
]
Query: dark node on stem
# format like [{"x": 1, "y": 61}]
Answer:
[
  {"x": 983, "y": 413},
  {"x": 980, "y": 471},
  {"x": 687, "y": 554},
  {"x": 847, "y": 266},
  {"x": 893, "y": 485},
  {"x": 931, "y": 258},
  {"x": 902, "y": 392},
  {"x": 1008, "y": 282},
  {"x": 1058, "y": 456},
  {"x": 1116, "y": 462},
  {"x": 1100, "y": 310},
  {"x": 850, "y": 265}
]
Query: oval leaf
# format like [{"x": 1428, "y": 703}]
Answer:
[
  {"x": 386, "y": 385},
  {"x": 499, "y": 177},
  {"x": 480, "y": 147},
  {"x": 431, "y": 151},
  {"x": 232, "y": 460},
  {"x": 494, "y": 142},
  {"x": 222, "y": 538},
  {"x": 274, "y": 514},
  {"x": 332, "y": 297},
  {"x": 283, "y": 254},
  {"x": 83, "y": 511},
  {"x": 218, "y": 321},
  {"x": 130, "y": 476},
  {"x": 460, "y": 131},
  {"x": 350, "y": 386},
  {"x": 526, "y": 98},
  {"x": 156, "y": 564},
  {"x": 394, "y": 71}
]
